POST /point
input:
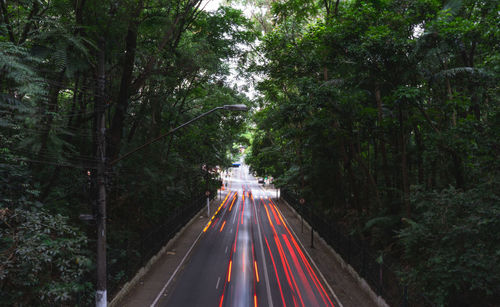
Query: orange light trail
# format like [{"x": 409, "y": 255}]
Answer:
[
  {"x": 316, "y": 281},
  {"x": 208, "y": 225},
  {"x": 243, "y": 261},
  {"x": 234, "y": 199},
  {"x": 242, "y": 210},
  {"x": 310, "y": 270},
  {"x": 268, "y": 216},
  {"x": 221, "y": 300},
  {"x": 225, "y": 202},
  {"x": 222, "y": 227},
  {"x": 280, "y": 250},
  {"x": 229, "y": 273},
  {"x": 256, "y": 271},
  {"x": 226, "y": 198},
  {"x": 281, "y": 217},
  {"x": 220, "y": 206},
  {"x": 276, "y": 272},
  {"x": 301, "y": 272},
  {"x": 255, "y": 300},
  {"x": 274, "y": 214},
  {"x": 215, "y": 222},
  {"x": 286, "y": 268},
  {"x": 210, "y": 222},
  {"x": 284, "y": 261}
]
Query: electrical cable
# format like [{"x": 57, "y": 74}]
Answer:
[
  {"x": 56, "y": 163},
  {"x": 48, "y": 155},
  {"x": 43, "y": 131}
]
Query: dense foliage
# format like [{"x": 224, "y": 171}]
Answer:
[
  {"x": 385, "y": 116},
  {"x": 162, "y": 63}
]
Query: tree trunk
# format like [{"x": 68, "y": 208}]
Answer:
[
  {"x": 368, "y": 175},
  {"x": 458, "y": 170},
  {"x": 29, "y": 23},
  {"x": 420, "y": 150},
  {"x": 137, "y": 122},
  {"x": 450, "y": 97},
  {"x": 383, "y": 152},
  {"x": 116, "y": 131},
  {"x": 155, "y": 117},
  {"x": 336, "y": 11},
  {"x": 353, "y": 186},
  {"x": 431, "y": 180},
  {"x": 404, "y": 165},
  {"x": 352, "y": 192},
  {"x": 5, "y": 14}
]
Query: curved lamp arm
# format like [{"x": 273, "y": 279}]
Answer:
[{"x": 231, "y": 107}]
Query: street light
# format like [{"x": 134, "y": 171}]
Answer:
[
  {"x": 235, "y": 107},
  {"x": 230, "y": 107},
  {"x": 101, "y": 293}
]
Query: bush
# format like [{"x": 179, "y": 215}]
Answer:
[
  {"x": 41, "y": 260},
  {"x": 453, "y": 248}
]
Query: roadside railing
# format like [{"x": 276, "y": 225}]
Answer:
[
  {"x": 378, "y": 272},
  {"x": 130, "y": 255}
]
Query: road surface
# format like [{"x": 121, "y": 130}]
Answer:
[{"x": 247, "y": 256}]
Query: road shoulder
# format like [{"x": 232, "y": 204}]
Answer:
[
  {"x": 345, "y": 287},
  {"x": 146, "y": 289}
]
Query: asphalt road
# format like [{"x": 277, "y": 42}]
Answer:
[{"x": 247, "y": 256}]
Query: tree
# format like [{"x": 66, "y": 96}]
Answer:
[
  {"x": 366, "y": 102},
  {"x": 163, "y": 63}
]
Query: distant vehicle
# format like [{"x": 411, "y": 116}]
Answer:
[
  {"x": 236, "y": 164},
  {"x": 261, "y": 180}
]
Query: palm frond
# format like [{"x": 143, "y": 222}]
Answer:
[
  {"x": 452, "y": 7},
  {"x": 18, "y": 66},
  {"x": 458, "y": 71},
  {"x": 333, "y": 83}
]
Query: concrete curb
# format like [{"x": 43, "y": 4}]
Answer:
[
  {"x": 379, "y": 301},
  {"x": 145, "y": 269}
]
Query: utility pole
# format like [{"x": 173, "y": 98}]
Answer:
[{"x": 101, "y": 299}]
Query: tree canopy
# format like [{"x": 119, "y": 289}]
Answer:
[
  {"x": 162, "y": 63},
  {"x": 384, "y": 116}
]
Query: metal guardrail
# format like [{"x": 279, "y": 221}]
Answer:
[{"x": 379, "y": 275}]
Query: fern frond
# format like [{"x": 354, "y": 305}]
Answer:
[
  {"x": 452, "y": 7},
  {"x": 333, "y": 83},
  {"x": 457, "y": 71},
  {"x": 18, "y": 67},
  {"x": 60, "y": 60}
]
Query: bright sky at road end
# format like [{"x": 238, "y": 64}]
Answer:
[
  {"x": 211, "y": 5},
  {"x": 234, "y": 78}
]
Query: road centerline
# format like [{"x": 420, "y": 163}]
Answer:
[{"x": 266, "y": 278}]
